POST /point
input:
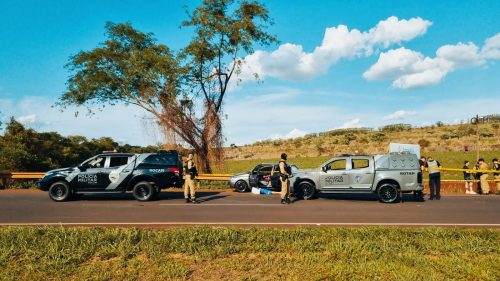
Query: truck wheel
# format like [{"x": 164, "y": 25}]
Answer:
[
  {"x": 143, "y": 191},
  {"x": 59, "y": 191},
  {"x": 241, "y": 186},
  {"x": 306, "y": 190},
  {"x": 388, "y": 193}
]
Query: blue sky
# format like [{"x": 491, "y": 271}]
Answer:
[{"x": 338, "y": 64}]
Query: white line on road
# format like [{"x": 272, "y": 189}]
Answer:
[
  {"x": 251, "y": 223},
  {"x": 221, "y": 204}
]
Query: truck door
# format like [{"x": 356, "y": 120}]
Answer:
[
  {"x": 113, "y": 168},
  {"x": 90, "y": 177},
  {"x": 335, "y": 175},
  {"x": 361, "y": 172}
]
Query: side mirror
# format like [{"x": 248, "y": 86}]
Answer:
[
  {"x": 324, "y": 168},
  {"x": 82, "y": 167}
]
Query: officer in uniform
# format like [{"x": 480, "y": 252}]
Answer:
[
  {"x": 496, "y": 167},
  {"x": 190, "y": 174},
  {"x": 285, "y": 172},
  {"x": 434, "y": 178},
  {"x": 485, "y": 187}
]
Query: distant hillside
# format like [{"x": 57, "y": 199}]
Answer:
[{"x": 435, "y": 138}]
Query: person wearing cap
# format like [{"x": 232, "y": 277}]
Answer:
[
  {"x": 190, "y": 174},
  {"x": 284, "y": 171}
]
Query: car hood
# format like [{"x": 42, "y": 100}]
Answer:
[
  {"x": 62, "y": 170},
  {"x": 240, "y": 174}
]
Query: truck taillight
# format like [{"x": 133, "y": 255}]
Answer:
[{"x": 175, "y": 170}]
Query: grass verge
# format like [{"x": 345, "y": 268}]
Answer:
[{"x": 214, "y": 253}]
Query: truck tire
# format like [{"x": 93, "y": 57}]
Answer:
[
  {"x": 143, "y": 191},
  {"x": 241, "y": 186},
  {"x": 388, "y": 193},
  {"x": 306, "y": 190},
  {"x": 59, "y": 191}
]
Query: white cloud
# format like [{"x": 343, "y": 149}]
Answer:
[
  {"x": 295, "y": 133},
  {"x": 27, "y": 119},
  {"x": 411, "y": 69},
  {"x": 291, "y": 62},
  {"x": 353, "y": 123},
  {"x": 398, "y": 115},
  {"x": 128, "y": 124},
  {"x": 491, "y": 48}
]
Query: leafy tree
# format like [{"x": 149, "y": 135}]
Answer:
[
  {"x": 184, "y": 91},
  {"x": 24, "y": 149}
]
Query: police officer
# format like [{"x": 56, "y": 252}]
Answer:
[
  {"x": 483, "y": 178},
  {"x": 285, "y": 172},
  {"x": 434, "y": 178},
  {"x": 190, "y": 175},
  {"x": 496, "y": 167}
]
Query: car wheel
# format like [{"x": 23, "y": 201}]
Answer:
[
  {"x": 388, "y": 193},
  {"x": 241, "y": 186},
  {"x": 143, "y": 191},
  {"x": 306, "y": 190},
  {"x": 59, "y": 191}
]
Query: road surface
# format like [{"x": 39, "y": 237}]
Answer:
[{"x": 33, "y": 207}]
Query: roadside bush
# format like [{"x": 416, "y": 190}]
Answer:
[
  {"x": 378, "y": 137},
  {"x": 424, "y": 143}
]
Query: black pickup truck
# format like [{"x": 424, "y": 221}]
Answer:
[{"x": 143, "y": 174}]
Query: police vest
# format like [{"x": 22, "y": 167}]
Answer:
[
  {"x": 432, "y": 166},
  {"x": 288, "y": 169}
]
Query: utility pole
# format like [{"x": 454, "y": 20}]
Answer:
[{"x": 475, "y": 120}]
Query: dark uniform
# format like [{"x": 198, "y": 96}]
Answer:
[
  {"x": 496, "y": 167},
  {"x": 434, "y": 179}
]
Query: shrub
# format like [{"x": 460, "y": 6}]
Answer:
[{"x": 424, "y": 143}]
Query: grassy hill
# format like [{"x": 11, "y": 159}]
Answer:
[
  {"x": 444, "y": 142},
  {"x": 436, "y": 138}
]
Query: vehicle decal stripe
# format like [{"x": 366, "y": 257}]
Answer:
[{"x": 126, "y": 170}]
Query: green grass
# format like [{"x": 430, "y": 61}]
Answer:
[{"x": 214, "y": 253}]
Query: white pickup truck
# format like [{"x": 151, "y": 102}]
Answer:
[{"x": 387, "y": 175}]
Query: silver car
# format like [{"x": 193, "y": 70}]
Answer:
[{"x": 261, "y": 176}]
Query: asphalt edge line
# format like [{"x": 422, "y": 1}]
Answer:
[{"x": 245, "y": 223}]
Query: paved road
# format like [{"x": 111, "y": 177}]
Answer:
[{"x": 34, "y": 207}]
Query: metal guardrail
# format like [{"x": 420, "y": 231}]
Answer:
[
  {"x": 4, "y": 176},
  {"x": 214, "y": 177}
]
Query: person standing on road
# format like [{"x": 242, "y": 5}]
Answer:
[
  {"x": 485, "y": 187},
  {"x": 285, "y": 182},
  {"x": 434, "y": 178},
  {"x": 190, "y": 175},
  {"x": 467, "y": 178},
  {"x": 477, "y": 175},
  {"x": 496, "y": 167},
  {"x": 420, "y": 176}
]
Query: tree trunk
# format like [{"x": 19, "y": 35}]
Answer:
[{"x": 203, "y": 158}]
